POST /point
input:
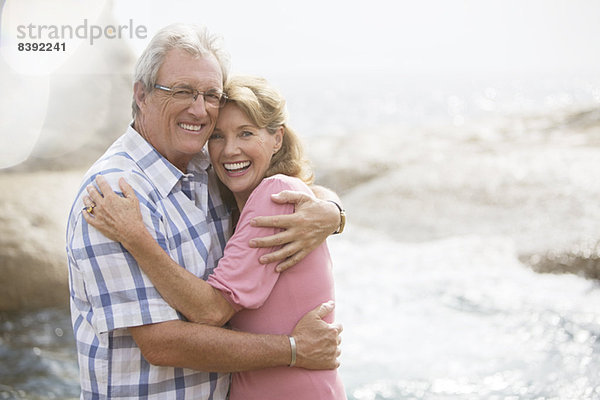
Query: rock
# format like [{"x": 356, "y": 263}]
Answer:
[
  {"x": 33, "y": 213},
  {"x": 582, "y": 259},
  {"x": 80, "y": 108}
]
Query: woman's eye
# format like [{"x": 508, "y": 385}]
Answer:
[
  {"x": 247, "y": 133},
  {"x": 215, "y": 136}
]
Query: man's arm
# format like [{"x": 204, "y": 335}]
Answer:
[
  {"x": 208, "y": 348},
  {"x": 312, "y": 222},
  {"x": 323, "y": 193}
]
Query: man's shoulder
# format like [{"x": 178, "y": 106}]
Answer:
[
  {"x": 121, "y": 153},
  {"x": 114, "y": 165},
  {"x": 122, "y": 159},
  {"x": 117, "y": 162}
]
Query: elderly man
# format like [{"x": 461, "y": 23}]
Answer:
[{"x": 130, "y": 342}]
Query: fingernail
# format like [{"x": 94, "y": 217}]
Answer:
[
  {"x": 263, "y": 260},
  {"x": 252, "y": 243}
]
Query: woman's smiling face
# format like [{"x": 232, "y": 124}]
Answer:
[{"x": 241, "y": 152}]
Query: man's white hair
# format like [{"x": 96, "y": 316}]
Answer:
[{"x": 194, "y": 39}]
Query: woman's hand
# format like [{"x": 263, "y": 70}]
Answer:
[
  {"x": 311, "y": 223},
  {"x": 118, "y": 218}
]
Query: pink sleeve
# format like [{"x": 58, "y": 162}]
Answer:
[{"x": 243, "y": 281}]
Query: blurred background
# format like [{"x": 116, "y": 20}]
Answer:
[{"x": 462, "y": 136}]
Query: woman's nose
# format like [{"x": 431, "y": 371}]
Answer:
[{"x": 231, "y": 147}]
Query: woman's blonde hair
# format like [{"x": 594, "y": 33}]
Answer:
[{"x": 265, "y": 107}]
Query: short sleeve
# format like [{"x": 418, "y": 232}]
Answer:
[
  {"x": 120, "y": 294},
  {"x": 240, "y": 277}
]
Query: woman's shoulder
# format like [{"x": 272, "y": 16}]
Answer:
[
  {"x": 273, "y": 185},
  {"x": 281, "y": 182}
]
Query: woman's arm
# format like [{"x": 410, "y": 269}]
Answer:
[{"x": 119, "y": 219}]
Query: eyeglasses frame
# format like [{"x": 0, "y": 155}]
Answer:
[{"x": 196, "y": 94}]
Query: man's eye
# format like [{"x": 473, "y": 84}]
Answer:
[
  {"x": 212, "y": 95},
  {"x": 247, "y": 133},
  {"x": 215, "y": 136},
  {"x": 182, "y": 93}
]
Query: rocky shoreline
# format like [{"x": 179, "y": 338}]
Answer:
[{"x": 33, "y": 212}]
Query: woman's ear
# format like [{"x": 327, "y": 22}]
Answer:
[
  {"x": 139, "y": 94},
  {"x": 279, "y": 133}
]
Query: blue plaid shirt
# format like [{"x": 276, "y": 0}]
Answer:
[{"x": 109, "y": 292}]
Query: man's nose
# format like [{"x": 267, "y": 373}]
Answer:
[{"x": 198, "y": 106}]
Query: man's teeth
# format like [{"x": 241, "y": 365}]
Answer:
[
  {"x": 191, "y": 127},
  {"x": 236, "y": 166}
]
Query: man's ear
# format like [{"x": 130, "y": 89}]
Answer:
[{"x": 139, "y": 95}]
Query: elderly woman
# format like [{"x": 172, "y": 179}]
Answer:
[{"x": 255, "y": 154}]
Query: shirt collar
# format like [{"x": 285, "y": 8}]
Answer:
[{"x": 163, "y": 173}]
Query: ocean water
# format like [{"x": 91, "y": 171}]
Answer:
[
  {"x": 462, "y": 318},
  {"x": 457, "y": 188}
]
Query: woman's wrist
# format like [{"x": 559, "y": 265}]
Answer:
[{"x": 137, "y": 239}]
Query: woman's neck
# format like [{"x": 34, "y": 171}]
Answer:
[{"x": 240, "y": 201}]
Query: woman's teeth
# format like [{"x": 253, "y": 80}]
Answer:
[
  {"x": 236, "y": 166},
  {"x": 190, "y": 127}
]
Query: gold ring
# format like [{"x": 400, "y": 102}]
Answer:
[{"x": 89, "y": 209}]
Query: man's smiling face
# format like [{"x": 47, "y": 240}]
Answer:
[{"x": 179, "y": 129}]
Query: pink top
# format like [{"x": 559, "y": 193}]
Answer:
[{"x": 270, "y": 302}]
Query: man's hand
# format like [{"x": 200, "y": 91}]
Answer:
[
  {"x": 318, "y": 343},
  {"x": 309, "y": 226}
]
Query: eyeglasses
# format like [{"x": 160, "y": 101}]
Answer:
[{"x": 212, "y": 98}]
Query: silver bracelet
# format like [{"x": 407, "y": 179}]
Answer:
[{"x": 293, "y": 346}]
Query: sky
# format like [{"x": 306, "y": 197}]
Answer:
[
  {"x": 270, "y": 37},
  {"x": 336, "y": 35},
  {"x": 430, "y": 35}
]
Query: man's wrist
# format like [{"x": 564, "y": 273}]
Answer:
[
  {"x": 293, "y": 350},
  {"x": 342, "y": 224}
]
